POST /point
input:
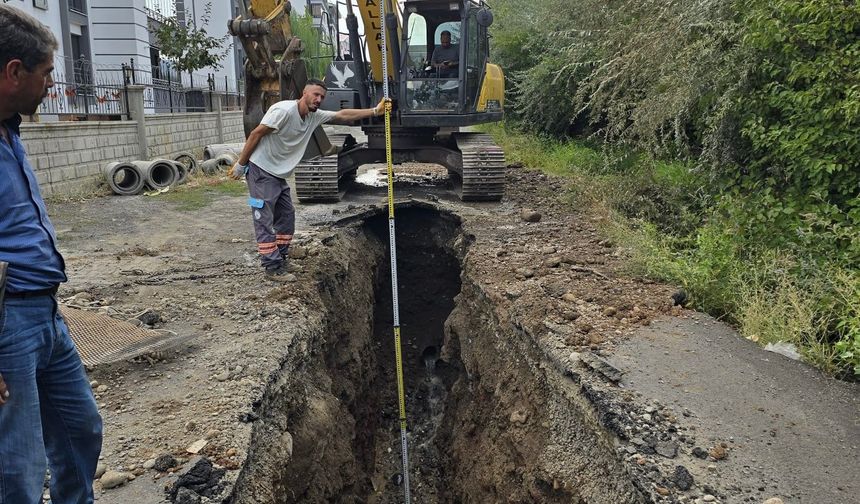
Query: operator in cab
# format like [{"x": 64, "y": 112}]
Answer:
[{"x": 446, "y": 57}]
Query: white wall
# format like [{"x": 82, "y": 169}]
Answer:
[
  {"x": 221, "y": 12},
  {"x": 118, "y": 29},
  {"x": 50, "y": 17}
]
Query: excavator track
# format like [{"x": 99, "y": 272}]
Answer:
[
  {"x": 317, "y": 178},
  {"x": 483, "y": 170}
]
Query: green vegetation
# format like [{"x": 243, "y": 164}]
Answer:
[
  {"x": 188, "y": 46},
  {"x": 661, "y": 216},
  {"x": 317, "y": 54},
  {"x": 202, "y": 191},
  {"x": 721, "y": 141}
]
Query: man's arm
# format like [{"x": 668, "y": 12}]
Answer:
[
  {"x": 352, "y": 115},
  {"x": 250, "y": 145}
]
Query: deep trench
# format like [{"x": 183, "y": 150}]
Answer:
[{"x": 488, "y": 420}]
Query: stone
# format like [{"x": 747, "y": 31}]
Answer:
[
  {"x": 718, "y": 452},
  {"x": 552, "y": 262},
  {"x": 519, "y": 417},
  {"x": 525, "y": 272},
  {"x": 773, "y": 500},
  {"x": 667, "y": 449},
  {"x": 101, "y": 468},
  {"x": 679, "y": 298},
  {"x": 199, "y": 476},
  {"x": 186, "y": 496},
  {"x": 165, "y": 462},
  {"x": 547, "y": 250},
  {"x": 196, "y": 446},
  {"x": 113, "y": 479},
  {"x": 709, "y": 498},
  {"x": 223, "y": 376},
  {"x": 700, "y": 453},
  {"x": 609, "y": 311},
  {"x": 149, "y": 464},
  {"x": 101, "y": 389},
  {"x": 569, "y": 297},
  {"x": 682, "y": 478},
  {"x": 297, "y": 252},
  {"x": 529, "y": 215},
  {"x": 662, "y": 491},
  {"x": 149, "y": 317}
]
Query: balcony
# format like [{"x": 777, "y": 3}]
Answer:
[{"x": 160, "y": 9}]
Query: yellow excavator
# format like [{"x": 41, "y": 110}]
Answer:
[{"x": 434, "y": 97}]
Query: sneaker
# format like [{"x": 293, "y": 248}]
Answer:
[{"x": 280, "y": 274}]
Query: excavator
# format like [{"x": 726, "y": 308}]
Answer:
[{"x": 433, "y": 99}]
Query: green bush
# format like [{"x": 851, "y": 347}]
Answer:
[{"x": 801, "y": 117}]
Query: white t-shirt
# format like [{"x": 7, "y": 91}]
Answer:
[{"x": 281, "y": 150}]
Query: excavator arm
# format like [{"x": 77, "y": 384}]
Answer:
[{"x": 274, "y": 69}]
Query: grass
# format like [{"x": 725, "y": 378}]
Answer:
[
  {"x": 202, "y": 191},
  {"x": 660, "y": 214}
]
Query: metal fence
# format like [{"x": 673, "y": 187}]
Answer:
[
  {"x": 169, "y": 90},
  {"x": 96, "y": 92},
  {"x": 88, "y": 92}
]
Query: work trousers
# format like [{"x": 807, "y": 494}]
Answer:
[
  {"x": 273, "y": 213},
  {"x": 50, "y": 413}
]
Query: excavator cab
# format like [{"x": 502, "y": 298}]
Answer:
[{"x": 446, "y": 50}]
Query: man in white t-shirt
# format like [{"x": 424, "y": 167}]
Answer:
[{"x": 272, "y": 151}]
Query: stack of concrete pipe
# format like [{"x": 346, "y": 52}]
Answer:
[
  {"x": 128, "y": 178},
  {"x": 214, "y": 150}
]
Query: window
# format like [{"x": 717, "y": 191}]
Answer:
[
  {"x": 78, "y": 6},
  {"x": 416, "y": 41}
]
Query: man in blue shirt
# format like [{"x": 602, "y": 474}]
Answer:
[{"x": 47, "y": 409}]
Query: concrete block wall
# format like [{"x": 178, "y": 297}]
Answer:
[
  {"x": 67, "y": 155},
  {"x": 170, "y": 134},
  {"x": 70, "y": 156},
  {"x": 234, "y": 131}
]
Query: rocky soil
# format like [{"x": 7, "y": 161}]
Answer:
[{"x": 511, "y": 317}]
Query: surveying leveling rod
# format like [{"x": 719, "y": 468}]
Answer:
[{"x": 401, "y": 395}]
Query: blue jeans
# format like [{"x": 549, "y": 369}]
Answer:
[{"x": 50, "y": 414}]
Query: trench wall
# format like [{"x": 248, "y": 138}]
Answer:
[{"x": 68, "y": 157}]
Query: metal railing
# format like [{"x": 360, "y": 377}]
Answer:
[
  {"x": 160, "y": 9},
  {"x": 97, "y": 92},
  {"x": 89, "y": 92}
]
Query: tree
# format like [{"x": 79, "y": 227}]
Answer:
[{"x": 187, "y": 46}]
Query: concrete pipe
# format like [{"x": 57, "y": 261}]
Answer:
[
  {"x": 223, "y": 162},
  {"x": 187, "y": 159},
  {"x": 209, "y": 166},
  {"x": 181, "y": 172},
  {"x": 214, "y": 150},
  {"x": 158, "y": 173},
  {"x": 124, "y": 178}
]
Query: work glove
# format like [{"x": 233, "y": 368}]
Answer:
[
  {"x": 238, "y": 171},
  {"x": 380, "y": 108}
]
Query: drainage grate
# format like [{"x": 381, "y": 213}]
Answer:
[{"x": 101, "y": 339}]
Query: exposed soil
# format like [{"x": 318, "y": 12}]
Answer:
[{"x": 514, "y": 388}]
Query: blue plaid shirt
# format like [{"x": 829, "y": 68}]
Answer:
[{"x": 28, "y": 241}]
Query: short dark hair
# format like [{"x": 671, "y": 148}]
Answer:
[
  {"x": 316, "y": 82},
  {"x": 444, "y": 32},
  {"x": 23, "y": 37}
]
